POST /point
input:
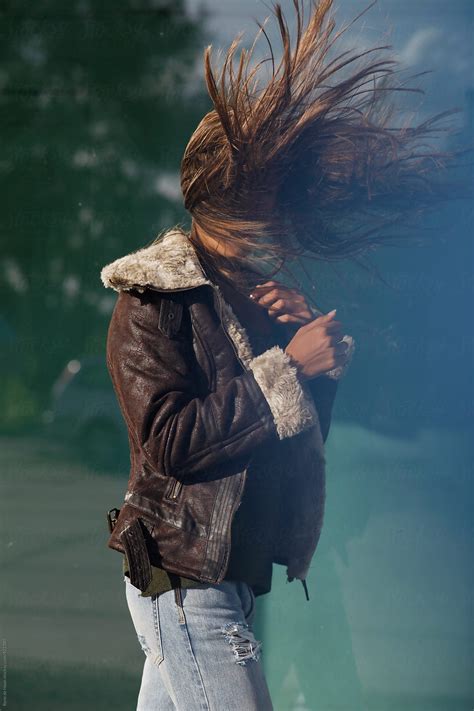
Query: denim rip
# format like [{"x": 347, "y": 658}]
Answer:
[{"x": 242, "y": 640}]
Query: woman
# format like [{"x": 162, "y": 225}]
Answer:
[{"x": 227, "y": 378}]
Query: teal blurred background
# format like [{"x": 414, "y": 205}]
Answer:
[{"x": 98, "y": 100}]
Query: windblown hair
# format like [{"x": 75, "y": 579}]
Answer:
[{"x": 310, "y": 165}]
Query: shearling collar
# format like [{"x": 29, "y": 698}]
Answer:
[{"x": 170, "y": 263}]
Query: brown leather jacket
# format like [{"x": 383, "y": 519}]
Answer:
[{"x": 198, "y": 403}]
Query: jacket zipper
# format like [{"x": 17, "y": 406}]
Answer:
[
  {"x": 235, "y": 506},
  {"x": 175, "y": 489}
]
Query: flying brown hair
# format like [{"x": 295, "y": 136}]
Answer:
[{"x": 311, "y": 164}]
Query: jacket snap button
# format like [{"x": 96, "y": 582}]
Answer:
[{"x": 170, "y": 315}]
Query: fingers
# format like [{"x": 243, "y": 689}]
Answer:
[
  {"x": 265, "y": 293},
  {"x": 328, "y": 326},
  {"x": 284, "y": 305},
  {"x": 283, "y": 308},
  {"x": 327, "y": 321},
  {"x": 337, "y": 362},
  {"x": 330, "y": 315},
  {"x": 341, "y": 348},
  {"x": 332, "y": 326},
  {"x": 334, "y": 340},
  {"x": 292, "y": 318},
  {"x": 270, "y": 290},
  {"x": 268, "y": 295},
  {"x": 340, "y": 359}
]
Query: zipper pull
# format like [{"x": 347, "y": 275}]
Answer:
[{"x": 305, "y": 588}]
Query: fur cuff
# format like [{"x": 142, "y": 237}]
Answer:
[{"x": 292, "y": 408}]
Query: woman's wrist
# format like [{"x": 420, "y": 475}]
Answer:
[{"x": 296, "y": 364}]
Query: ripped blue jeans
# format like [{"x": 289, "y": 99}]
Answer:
[{"x": 200, "y": 649}]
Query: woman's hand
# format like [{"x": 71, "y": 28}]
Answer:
[
  {"x": 317, "y": 348},
  {"x": 284, "y": 305},
  {"x": 320, "y": 350}
]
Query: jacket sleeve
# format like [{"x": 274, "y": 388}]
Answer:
[{"x": 180, "y": 431}]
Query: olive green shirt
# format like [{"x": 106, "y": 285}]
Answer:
[{"x": 161, "y": 582}]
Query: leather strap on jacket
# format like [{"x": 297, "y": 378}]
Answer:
[{"x": 134, "y": 544}]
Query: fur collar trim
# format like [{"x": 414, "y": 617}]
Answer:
[{"x": 170, "y": 263}]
